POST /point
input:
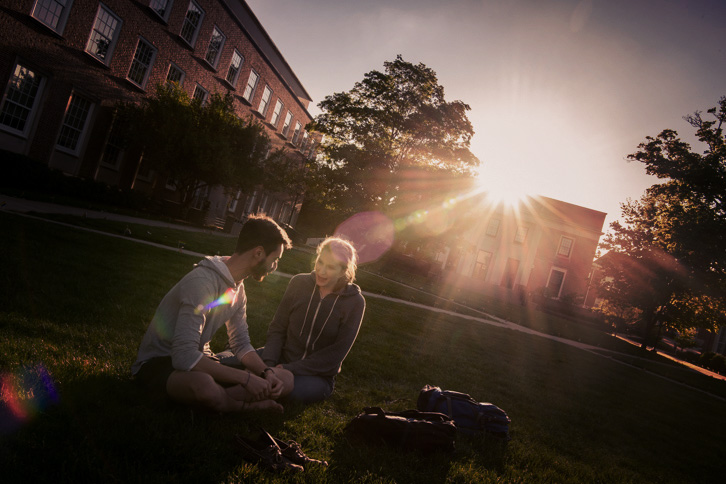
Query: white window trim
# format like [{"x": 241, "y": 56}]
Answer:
[
  {"x": 206, "y": 93},
  {"x": 167, "y": 11},
  {"x": 296, "y": 133},
  {"x": 233, "y": 82},
  {"x": 34, "y": 109},
  {"x": 112, "y": 45},
  {"x": 254, "y": 88},
  {"x": 263, "y": 110},
  {"x": 195, "y": 35},
  {"x": 287, "y": 124},
  {"x": 176, "y": 66},
  {"x": 521, "y": 229},
  {"x": 495, "y": 231},
  {"x": 84, "y": 131},
  {"x": 277, "y": 114},
  {"x": 214, "y": 64},
  {"x": 562, "y": 284},
  {"x": 559, "y": 247},
  {"x": 62, "y": 19},
  {"x": 148, "y": 68}
]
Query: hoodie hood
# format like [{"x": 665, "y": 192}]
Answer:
[{"x": 216, "y": 264}]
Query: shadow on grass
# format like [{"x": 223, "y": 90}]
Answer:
[{"x": 106, "y": 429}]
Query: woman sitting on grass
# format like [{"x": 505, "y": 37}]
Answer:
[{"x": 316, "y": 324}]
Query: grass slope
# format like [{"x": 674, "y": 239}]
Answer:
[{"x": 76, "y": 305}]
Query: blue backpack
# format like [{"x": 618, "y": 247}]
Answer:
[{"x": 470, "y": 417}]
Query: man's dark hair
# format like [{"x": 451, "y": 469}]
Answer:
[{"x": 260, "y": 230}]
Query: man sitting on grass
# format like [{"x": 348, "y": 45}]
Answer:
[{"x": 175, "y": 358}]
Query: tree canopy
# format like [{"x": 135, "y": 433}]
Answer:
[
  {"x": 390, "y": 126},
  {"x": 674, "y": 237},
  {"x": 195, "y": 144}
]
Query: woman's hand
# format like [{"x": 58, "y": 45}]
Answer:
[{"x": 258, "y": 388}]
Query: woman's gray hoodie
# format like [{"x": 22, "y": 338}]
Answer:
[
  {"x": 310, "y": 336},
  {"x": 192, "y": 311}
]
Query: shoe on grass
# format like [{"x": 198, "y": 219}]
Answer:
[
  {"x": 265, "y": 452},
  {"x": 292, "y": 451}
]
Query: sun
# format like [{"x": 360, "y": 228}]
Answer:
[{"x": 508, "y": 190}]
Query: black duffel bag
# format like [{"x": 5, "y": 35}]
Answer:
[{"x": 410, "y": 429}]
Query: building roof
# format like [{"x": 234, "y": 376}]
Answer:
[{"x": 268, "y": 49}]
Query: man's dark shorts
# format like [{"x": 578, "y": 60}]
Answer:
[{"x": 154, "y": 373}]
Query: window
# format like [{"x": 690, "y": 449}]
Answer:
[
  {"x": 192, "y": 23},
  {"x": 161, "y": 8},
  {"x": 265, "y": 101},
  {"x": 493, "y": 227},
  {"x": 216, "y": 43},
  {"x": 234, "y": 66},
  {"x": 75, "y": 124},
  {"x": 286, "y": 124},
  {"x": 565, "y": 248},
  {"x": 521, "y": 234},
  {"x": 175, "y": 74},
  {"x": 304, "y": 142},
  {"x": 20, "y": 103},
  {"x": 52, "y": 13},
  {"x": 142, "y": 62},
  {"x": 481, "y": 266},
  {"x": 113, "y": 151},
  {"x": 251, "y": 86},
  {"x": 311, "y": 149},
  {"x": 276, "y": 113},
  {"x": 234, "y": 201},
  {"x": 554, "y": 283},
  {"x": 296, "y": 133},
  {"x": 200, "y": 94},
  {"x": 104, "y": 35}
]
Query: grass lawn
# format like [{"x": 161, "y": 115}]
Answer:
[{"x": 76, "y": 305}]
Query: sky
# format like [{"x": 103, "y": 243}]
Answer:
[{"x": 561, "y": 91}]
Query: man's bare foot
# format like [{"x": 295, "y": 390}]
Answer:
[{"x": 270, "y": 405}]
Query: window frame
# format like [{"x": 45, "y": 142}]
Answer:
[
  {"x": 296, "y": 133},
  {"x": 195, "y": 34},
  {"x": 562, "y": 282},
  {"x": 167, "y": 9},
  {"x": 204, "y": 99},
  {"x": 135, "y": 61},
  {"x": 288, "y": 122},
  {"x": 477, "y": 271},
  {"x": 33, "y": 110},
  {"x": 266, "y": 100},
  {"x": 106, "y": 59},
  {"x": 179, "y": 69},
  {"x": 520, "y": 236},
  {"x": 569, "y": 249},
  {"x": 82, "y": 132},
  {"x": 215, "y": 62},
  {"x": 253, "y": 89},
  {"x": 62, "y": 19},
  {"x": 235, "y": 53},
  {"x": 492, "y": 228},
  {"x": 277, "y": 113}
]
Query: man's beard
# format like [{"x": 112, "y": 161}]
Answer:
[{"x": 259, "y": 271}]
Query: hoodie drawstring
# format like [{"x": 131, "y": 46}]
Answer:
[{"x": 312, "y": 324}]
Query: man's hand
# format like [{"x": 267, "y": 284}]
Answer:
[
  {"x": 257, "y": 387},
  {"x": 275, "y": 384}
]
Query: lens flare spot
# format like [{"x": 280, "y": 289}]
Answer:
[
  {"x": 371, "y": 233},
  {"x": 229, "y": 297}
]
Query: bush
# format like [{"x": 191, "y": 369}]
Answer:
[
  {"x": 718, "y": 364},
  {"x": 705, "y": 359}
]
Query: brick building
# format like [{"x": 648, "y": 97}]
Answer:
[
  {"x": 539, "y": 244},
  {"x": 64, "y": 64}
]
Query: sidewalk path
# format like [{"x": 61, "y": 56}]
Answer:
[{"x": 22, "y": 207}]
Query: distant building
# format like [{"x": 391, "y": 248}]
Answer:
[
  {"x": 540, "y": 244},
  {"x": 64, "y": 64}
]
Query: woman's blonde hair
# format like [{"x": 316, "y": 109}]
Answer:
[{"x": 344, "y": 251}]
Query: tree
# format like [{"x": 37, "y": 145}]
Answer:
[
  {"x": 194, "y": 144},
  {"x": 391, "y": 124},
  {"x": 675, "y": 235}
]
